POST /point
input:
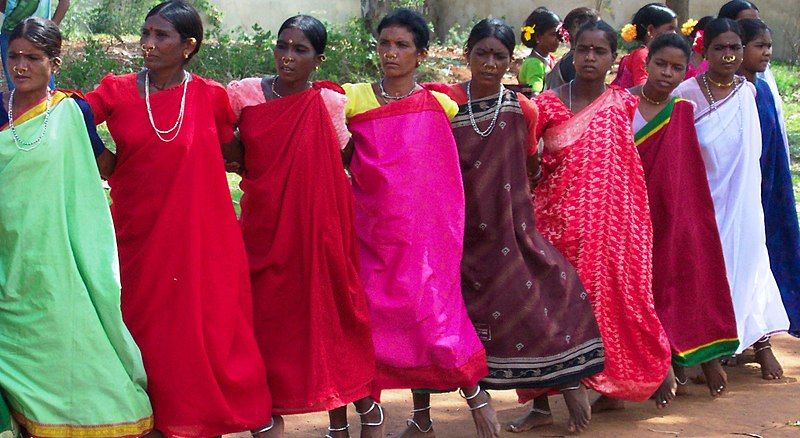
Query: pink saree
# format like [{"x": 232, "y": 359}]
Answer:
[{"x": 410, "y": 229}]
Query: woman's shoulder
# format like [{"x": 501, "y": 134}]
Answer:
[
  {"x": 357, "y": 88},
  {"x": 115, "y": 81},
  {"x": 245, "y": 84},
  {"x": 323, "y": 85}
]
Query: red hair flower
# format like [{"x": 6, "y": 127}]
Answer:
[
  {"x": 563, "y": 33},
  {"x": 697, "y": 47}
]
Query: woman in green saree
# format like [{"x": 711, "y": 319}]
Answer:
[{"x": 68, "y": 365}]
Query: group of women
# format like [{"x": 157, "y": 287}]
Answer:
[{"x": 393, "y": 235}]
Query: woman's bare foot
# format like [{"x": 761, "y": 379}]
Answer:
[
  {"x": 770, "y": 367},
  {"x": 580, "y": 411},
  {"x": 276, "y": 431},
  {"x": 538, "y": 416},
  {"x": 666, "y": 392},
  {"x": 372, "y": 418},
  {"x": 606, "y": 404},
  {"x": 483, "y": 414},
  {"x": 716, "y": 378}
]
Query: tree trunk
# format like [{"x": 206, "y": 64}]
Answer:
[
  {"x": 372, "y": 11},
  {"x": 681, "y": 7}
]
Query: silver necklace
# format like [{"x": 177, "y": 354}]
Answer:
[
  {"x": 708, "y": 90},
  {"x": 388, "y": 96},
  {"x": 22, "y": 145},
  {"x": 713, "y": 103},
  {"x": 176, "y": 128},
  {"x": 487, "y": 131}
]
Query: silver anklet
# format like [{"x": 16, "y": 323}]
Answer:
[
  {"x": 380, "y": 409},
  {"x": 482, "y": 405},
  {"x": 462, "y": 394},
  {"x": 426, "y": 408},
  {"x": 411, "y": 422},
  {"x": 268, "y": 427},
  {"x": 540, "y": 411},
  {"x": 578, "y": 386},
  {"x": 336, "y": 429}
]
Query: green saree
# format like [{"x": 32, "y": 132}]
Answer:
[{"x": 68, "y": 366}]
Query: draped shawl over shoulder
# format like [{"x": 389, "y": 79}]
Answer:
[
  {"x": 185, "y": 284},
  {"x": 690, "y": 289},
  {"x": 524, "y": 298},
  {"x": 410, "y": 230},
  {"x": 311, "y": 314},
  {"x": 68, "y": 365},
  {"x": 729, "y": 133},
  {"x": 592, "y": 205}
]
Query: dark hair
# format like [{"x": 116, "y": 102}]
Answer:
[
  {"x": 40, "y": 32},
  {"x": 491, "y": 27},
  {"x": 608, "y": 31},
  {"x": 751, "y": 29},
  {"x": 542, "y": 20},
  {"x": 312, "y": 28},
  {"x": 580, "y": 16},
  {"x": 184, "y": 18},
  {"x": 668, "y": 39},
  {"x": 717, "y": 27},
  {"x": 651, "y": 14},
  {"x": 701, "y": 24},
  {"x": 733, "y": 8},
  {"x": 411, "y": 20}
]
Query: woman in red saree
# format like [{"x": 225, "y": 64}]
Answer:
[
  {"x": 297, "y": 220},
  {"x": 690, "y": 288},
  {"x": 185, "y": 286},
  {"x": 592, "y": 205}
]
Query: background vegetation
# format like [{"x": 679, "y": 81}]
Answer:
[{"x": 102, "y": 37}]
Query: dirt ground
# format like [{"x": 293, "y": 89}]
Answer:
[{"x": 752, "y": 407}]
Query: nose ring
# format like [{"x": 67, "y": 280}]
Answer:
[
  {"x": 390, "y": 55},
  {"x": 147, "y": 49},
  {"x": 286, "y": 60},
  {"x": 19, "y": 70},
  {"x": 729, "y": 58}
]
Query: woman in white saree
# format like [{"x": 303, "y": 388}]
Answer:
[{"x": 728, "y": 129}]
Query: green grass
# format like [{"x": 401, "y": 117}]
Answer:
[{"x": 788, "y": 80}]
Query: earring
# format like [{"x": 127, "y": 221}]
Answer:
[
  {"x": 322, "y": 58},
  {"x": 185, "y": 55}
]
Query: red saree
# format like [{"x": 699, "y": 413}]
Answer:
[
  {"x": 690, "y": 288},
  {"x": 185, "y": 286},
  {"x": 592, "y": 205},
  {"x": 312, "y": 320}
]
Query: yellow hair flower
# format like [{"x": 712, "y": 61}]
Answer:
[
  {"x": 688, "y": 27},
  {"x": 628, "y": 32},
  {"x": 528, "y": 32}
]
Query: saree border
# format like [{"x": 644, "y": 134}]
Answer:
[
  {"x": 656, "y": 123},
  {"x": 126, "y": 429}
]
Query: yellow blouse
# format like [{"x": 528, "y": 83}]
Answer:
[{"x": 361, "y": 98}]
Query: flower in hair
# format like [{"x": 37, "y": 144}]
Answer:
[
  {"x": 528, "y": 31},
  {"x": 563, "y": 33},
  {"x": 697, "y": 47},
  {"x": 688, "y": 27},
  {"x": 628, "y": 32}
]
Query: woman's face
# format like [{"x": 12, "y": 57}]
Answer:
[
  {"x": 295, "y": 57},
  {"x": 29, "y": 66},
  {"x": 724, "y": 54},
  {"x": 593, "y": 56},
  {"x": 654, "y": 31},
  {"x": 666, "y": 69},
  {"x": 548, "y": 41},
  {"x": 162, "y": 45},
  {"x": 757, "y": 53},
  {"x": 488, "y": 61},
  {"x": 398, "y": 52}
]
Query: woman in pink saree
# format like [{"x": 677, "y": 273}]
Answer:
[{"x": 409, "y": 218}]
